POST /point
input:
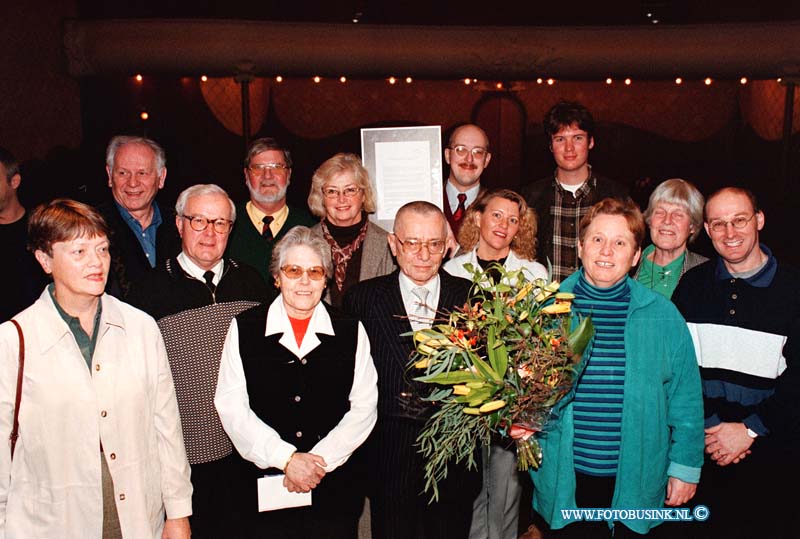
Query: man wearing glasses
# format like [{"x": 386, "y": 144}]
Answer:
[
  {"x": 743, "y": 310},
  {"x": 563, "y": 198},
  {"x": 265, "y": 217},
  {"x": 390, "y": 306},
  {"x": 143, "y": 237},
  {"x": 194, "y": 297},
  {"x": 468, "y": 155}
]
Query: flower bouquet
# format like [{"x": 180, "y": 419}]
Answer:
[{"x": 497, "y": 366}]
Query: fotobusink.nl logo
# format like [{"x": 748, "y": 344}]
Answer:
[{"x": 682, "y": 514}]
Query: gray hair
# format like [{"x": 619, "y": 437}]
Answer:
[
  {"x": 199, "y": 190},
  {"x": 264, "y": 144},
  {"x": 301, "y": 236},
  {"x": 680, "y": 192},
  {"x": 419, "y": 207},
  {"x": 119, "y": 141}
]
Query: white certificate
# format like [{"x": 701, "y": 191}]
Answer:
[
  {"x": 402, "y": 174},
  {"x": 273, "y": 495},
  {"x": 404, "y": 164}
]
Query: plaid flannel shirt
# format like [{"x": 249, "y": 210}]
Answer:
[{"x": 566, "y": 213}]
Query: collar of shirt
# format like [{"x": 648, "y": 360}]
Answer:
[
  {"x": 257, "y": 216},
  {"x": 134, "y": 224},
  {"x": 278, "y": 322},
  {"x": 579, "y": 191},
  {"x": 85, "y": 342},
  {"x": 146, "y": 237},
  {"x": 452, "y": 195},
  {"x": 759, "y": 277},
  {"x": 410, "y": 300},
  {"x": 197, "y": 272}
]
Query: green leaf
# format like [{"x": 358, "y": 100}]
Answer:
[
  {"x": 453, "y": 377},
  {"x": 491, "y": 353},
  {"x": 580, "y": 337},
  {"x": 501, "y": 355},
  {"x": 478, "y": 395}
]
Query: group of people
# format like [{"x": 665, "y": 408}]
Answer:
[{"x": 276, "y": 343}]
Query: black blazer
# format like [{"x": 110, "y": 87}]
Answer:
[
  {"x": 396, "y": 468},
  {"x": 379, "y": 305}
]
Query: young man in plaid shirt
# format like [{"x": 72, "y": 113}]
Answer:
[{"x": 560, "y": 200}]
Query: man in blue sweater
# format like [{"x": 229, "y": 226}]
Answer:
[{"x": 743, "y": 310}]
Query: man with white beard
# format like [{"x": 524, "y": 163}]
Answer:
[{"x": 265, "y": 217}]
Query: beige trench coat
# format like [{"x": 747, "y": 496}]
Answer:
[{"x": 127, "y": 402}]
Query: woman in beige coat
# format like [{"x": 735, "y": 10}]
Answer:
[
  {"x": 342, "y": 196},
  {"x": 100, "y": 450}
]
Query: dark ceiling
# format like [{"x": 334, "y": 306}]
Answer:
[{"x": 452, "y": 12}]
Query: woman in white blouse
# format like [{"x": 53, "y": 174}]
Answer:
[
  {"x": 297, "y": 394},
  {"x": 499, "y": 228}
]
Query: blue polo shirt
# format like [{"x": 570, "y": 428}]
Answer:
[{"x": 146, "y": 237}]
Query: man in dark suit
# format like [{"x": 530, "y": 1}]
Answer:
[
  {"x": 467, "y": 154},
  {"x": 389, "y": 306},
  {"x": 143, "y": 232}
]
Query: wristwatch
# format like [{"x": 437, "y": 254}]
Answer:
[{"x": 751, "y": 433}]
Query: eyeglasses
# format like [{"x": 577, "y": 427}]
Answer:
[
  {"x": 477, "y": 152},
  {"x": 348, "y": 192},
  {"x": 262, "y": 168},
  {"x": 435, "y": 247},
  {"x": 721, "y": 225},
  {"x": 292, "y": 271},
  {"x": 199, "y": 224}
]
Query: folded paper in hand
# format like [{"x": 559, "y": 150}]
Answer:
[{"x": 273, "y": 495}]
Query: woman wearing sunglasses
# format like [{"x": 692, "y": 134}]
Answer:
[
  {"x": 297, "y": 394},
  {"x": 342, "y": 197}
]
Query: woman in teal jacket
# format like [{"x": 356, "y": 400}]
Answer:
[{"x": 630, "y": 436}]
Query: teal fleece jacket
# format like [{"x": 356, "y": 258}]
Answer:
[{"x": 662, "y": 417}]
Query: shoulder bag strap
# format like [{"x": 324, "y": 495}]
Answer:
[{"x": 20, "y": 369}]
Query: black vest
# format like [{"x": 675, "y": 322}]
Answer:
[{"x": 302, "y": 399}]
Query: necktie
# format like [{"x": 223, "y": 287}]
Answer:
[
  {"x": 420, "y": 317},
  {"x": 266, "y": 233},
  {"x": 459, "y": 213},
  {"x": 209, "y": 277}
]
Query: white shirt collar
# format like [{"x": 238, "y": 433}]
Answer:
[
  {"x": 452, "y": 195},
  {"x": 410, "y": 299},
  {"x": 197, "y": 272},
  {"x": 278, "y": 322}
]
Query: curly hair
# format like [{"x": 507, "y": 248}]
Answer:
[
  {"x": 339, "y": 164},
  {"x": 524, "y": 242}
]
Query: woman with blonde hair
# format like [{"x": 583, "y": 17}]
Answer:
[
  {"x": 342, "y": 196},
  {"x": 498, "y": 229}
]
